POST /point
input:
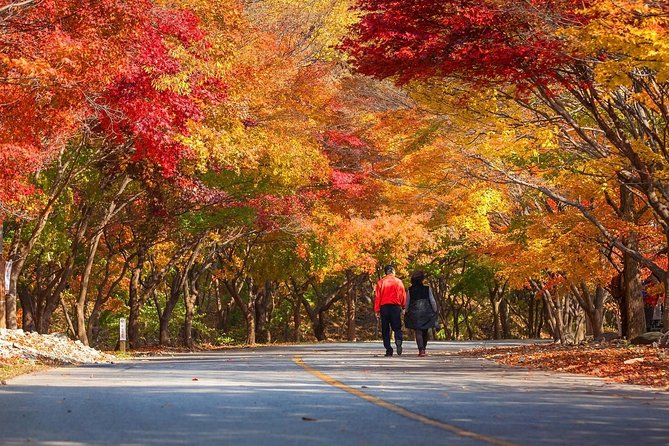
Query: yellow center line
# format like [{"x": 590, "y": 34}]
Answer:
[{"x": 401, "y": 410}]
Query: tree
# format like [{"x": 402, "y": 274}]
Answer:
[{"x": 556, "y": 61}]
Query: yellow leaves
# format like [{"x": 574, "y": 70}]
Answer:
[
  {"x": 177, "y": 83},
  {"x": 471, "y": 212},
  {"x": 310, "y": 29},
  {"x": 633, "y": 34},
  {"x": 364, "y": 243},
  {"x": 295, "y": 162},
  {"x": 642, "y": 149}
]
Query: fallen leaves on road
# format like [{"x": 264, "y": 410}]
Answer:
[
  {"x": 13, "y": 367},
  {"x": 643, "y": 365}
]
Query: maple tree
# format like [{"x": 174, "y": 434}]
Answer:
[
  {"x": 218, "y": 173},
  {"x": 546, "y": 63}
]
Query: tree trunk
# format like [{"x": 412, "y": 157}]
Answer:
[
  {"x": 28, "y": 316},
  {"x": 166, "y": 315},
  {"x": 53, "y": 299},
  {"x": 82, "y": 333},
  {"x": 11, "y": 294},
  {"x": 351, "y": 297},
  {"x": 250, "y": 325},
  {"x": 103, "y": 297},
  {"x": 496, "y": 325},
  {"x": 135, "y": 302},
  {"x": 635, "y": 316},
  {"x": 189, "y": 301},
  {"x": 597, "y": 318},
  {"x": 531, "y": 304},
  {"x": 593, "y": 306},
  {"x": 298, "y": 298},
  {"x": 247, "y": 309},
  {"x": 504, "y": 317},
  {"x": 263, "y": 303},
  {"x": 3, "y": 306},
  {"x": 319, "y": 327},
  {"x": 297, "y": 319}
]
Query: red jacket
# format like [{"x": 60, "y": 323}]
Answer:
[{"x": 389, "y": 291}]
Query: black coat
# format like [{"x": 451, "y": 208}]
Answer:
[{"x": 420, "y": 315}]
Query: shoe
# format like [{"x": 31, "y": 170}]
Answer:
[
  {"x": 422, "y": 353},
  {"x": 390, "y": 353},
  {"x": 399, "y": 348}
]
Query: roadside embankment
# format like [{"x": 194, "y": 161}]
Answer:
[{"x": 22, "y": 352}]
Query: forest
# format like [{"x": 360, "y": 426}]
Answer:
[{"x": 240, "y": 171}]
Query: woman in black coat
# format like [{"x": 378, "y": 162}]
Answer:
[{"x": 421, "y": 314}]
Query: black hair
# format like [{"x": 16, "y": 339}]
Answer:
[
  {"x": 388, "y": 269},
  {"x": 417, "y": 278}
]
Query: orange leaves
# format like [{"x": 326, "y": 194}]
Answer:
[
  {"x": 365, "y": 243},
  {"x": 636, "y": 365},
  {"x": 55, "y": 58}
]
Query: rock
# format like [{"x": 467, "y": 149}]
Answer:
[
  {"x": 647, "y": 338},
  {"x": 663, "y": 342},
  {"x": 607, "y": 337},
  {"x": 59, "y": 348},
  {"x": 633, "y": 361}
]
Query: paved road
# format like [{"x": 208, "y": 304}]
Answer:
[{"x": 341, "y": 394}]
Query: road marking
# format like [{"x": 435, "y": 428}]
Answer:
[{"x": 401, "y": 410}]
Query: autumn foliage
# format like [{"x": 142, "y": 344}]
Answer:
[
  {"x": 241, "y": 171},
  {"x": 482, "y": 40}
]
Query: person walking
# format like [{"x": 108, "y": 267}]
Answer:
[
  {"x": 389, "y": 302},
  {"x": 421, "y": 314}
]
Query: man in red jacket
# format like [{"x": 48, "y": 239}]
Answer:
[{"x": 389, "y": 302}]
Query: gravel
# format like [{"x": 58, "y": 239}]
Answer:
[{"x": 54, "y": 347}]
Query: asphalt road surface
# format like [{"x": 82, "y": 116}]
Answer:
[{"x": 334, "y": 394}]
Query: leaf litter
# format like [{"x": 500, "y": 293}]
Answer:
[{"x": 640, "y": 365}]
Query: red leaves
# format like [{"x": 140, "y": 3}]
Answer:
[
  {"x": 352, "y": 183},
  {"x": 13, "y": 159},
  {"x": 606, "y": 362},
  {"x": 272, "y": 210},
  {"x": 339, "y": 139},
  {"x": 154, "y": 118},
  {"x": 54, "y": 57},
  {"x": 63, "y": 62},
  {"x": 482, "y": 40}
]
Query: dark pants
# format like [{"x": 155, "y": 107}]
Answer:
[
  {"x": 421, "y": 339},
  {"x": 391, "y": 317}
]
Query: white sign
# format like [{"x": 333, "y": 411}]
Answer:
[
  {"x": 8, "y": 274},
  {"x": 121, "y": 330}
]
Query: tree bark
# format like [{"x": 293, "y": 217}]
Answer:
[
  {"x": 635, "y": 316},
  {"x": 3, "y": 306},
  {"x": 165, "y": 316},
  {"x": 103, "y": 297},
  {"x": 247, "y": 309},
  {"x": 135, "y": 300},
  {"x": 593, "y": 306},
  {"x": 263, "y": 303},
  {"x": 351, "y": 302},
  {"x": 189, "y": 302}
]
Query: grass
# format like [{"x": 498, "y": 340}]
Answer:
[{"x": 13, "y": 367}]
